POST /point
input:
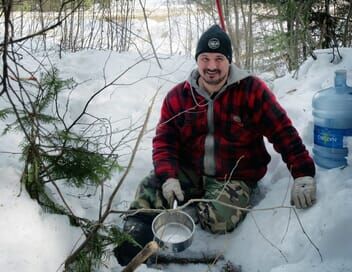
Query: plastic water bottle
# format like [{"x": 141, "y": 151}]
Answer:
[{"x": 332, "y": 112}]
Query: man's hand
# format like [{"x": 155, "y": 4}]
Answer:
[
  {"x": 303, "y": 192},
  {"x": 171, "y": 189}
]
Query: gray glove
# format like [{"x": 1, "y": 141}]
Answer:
[
  {"x": 303, "y": 192},
  {"x": 171, "y": 189}
]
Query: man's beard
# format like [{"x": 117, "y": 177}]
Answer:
[{"x": 212, "y": 81}]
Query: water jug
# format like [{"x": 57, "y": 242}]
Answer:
[{"x": 332, "y": 112}]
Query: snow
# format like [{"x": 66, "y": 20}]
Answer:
[
  {"x": 269, "y": 239},
  {"x": 31, "y": 240}
]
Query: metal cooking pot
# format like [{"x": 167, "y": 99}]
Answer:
[{"x": 173, "y": 230}]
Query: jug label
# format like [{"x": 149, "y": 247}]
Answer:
[{"x": 331, "y": 137}]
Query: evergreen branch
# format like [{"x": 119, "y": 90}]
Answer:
[{"x": 70, "y": 259}]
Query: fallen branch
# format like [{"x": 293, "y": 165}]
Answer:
[{"x": 250, "y": 210}]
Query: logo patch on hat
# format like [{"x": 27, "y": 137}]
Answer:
[{"x": 214, "y": 43}]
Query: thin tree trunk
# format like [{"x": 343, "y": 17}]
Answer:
[
  {"x": 247, "y": 29},
  {"x": 250, "y": 37},
  {"x": 234, "y": 33},
  {"x": 169, "y": 23},
  {"x": 149, "y": 35},
  {"x": 6, "y": 9},
  {"x": 346, "y": 39},
  {"x": 42, "y": 22}
]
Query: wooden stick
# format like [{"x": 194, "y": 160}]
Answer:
[{"x": 148, "y": 250}]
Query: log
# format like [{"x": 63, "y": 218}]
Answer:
[
  {"x": 148, "y": 250},
  {"x": 174, "y": 259},
  {"x": 160, "y": 260}
]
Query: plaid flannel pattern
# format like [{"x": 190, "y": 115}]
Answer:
[{"x": 244, "y": 113}]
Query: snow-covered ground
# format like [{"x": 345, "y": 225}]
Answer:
[{"x": 271, "y": 240}]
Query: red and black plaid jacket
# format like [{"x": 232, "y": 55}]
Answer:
[{"x": 242, "y": 114}]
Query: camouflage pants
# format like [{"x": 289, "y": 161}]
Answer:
[{"x": 213, "y": 216}]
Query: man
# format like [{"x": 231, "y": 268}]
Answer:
[{"x": 209, "y": 143}]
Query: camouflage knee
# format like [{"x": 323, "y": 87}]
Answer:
[
  {"x": 148, "y": 194},
  {"x": 218, "y": 218}
]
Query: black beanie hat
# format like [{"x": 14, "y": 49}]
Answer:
[{"x": 215, "y": 40}]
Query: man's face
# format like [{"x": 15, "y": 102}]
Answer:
[{"x": 213, "y": 67}]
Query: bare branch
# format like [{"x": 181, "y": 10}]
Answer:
[
  {"x": 266, "y": 239},
  {"x": 307, "y": 236}
]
